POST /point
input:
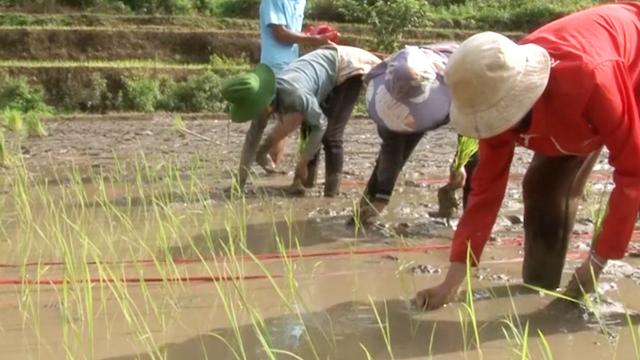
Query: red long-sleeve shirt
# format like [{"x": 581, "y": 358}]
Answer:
[{"x": 591, "y": 100}]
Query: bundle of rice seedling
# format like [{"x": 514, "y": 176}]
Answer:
[
  {"x": 13, "y": 120},
  {"x": 465, "y": 150},
  {"x": 3, "y": 149},
  {"x": 34, "y": 125},
  {"x": 179, "y": 125}
]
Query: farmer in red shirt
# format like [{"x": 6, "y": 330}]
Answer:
[{"x": 566, "y": 91}]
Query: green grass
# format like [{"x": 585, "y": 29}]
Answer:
[{"x": 102, "y": 64}]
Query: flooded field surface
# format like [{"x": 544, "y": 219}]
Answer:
[{"x": 123, "y": 240}]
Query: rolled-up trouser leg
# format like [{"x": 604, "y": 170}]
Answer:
[
  {"x": 338, "y": 109},
  {"x": 552, "y": 188},
  {"x": 312, "y": 166}
]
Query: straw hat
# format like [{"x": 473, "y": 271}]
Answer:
[
  {"x": 406, "y": 92},
  {"x": 494, "y": 83}
]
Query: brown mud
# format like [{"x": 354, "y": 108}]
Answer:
[{"x": 322, "y": 290}]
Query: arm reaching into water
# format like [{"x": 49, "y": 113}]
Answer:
[{"x": 489, "y": 184}]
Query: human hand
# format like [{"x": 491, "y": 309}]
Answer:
[
  {"x": 267, "y": 164},
  {"x": 322, "y": 39},
  {"x": 439, "y": 296},
  {"x": 435, "y": 297},
  {"x": 457, "y": 178}
]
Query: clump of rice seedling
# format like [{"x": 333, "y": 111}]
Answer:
[
  {"x": 179, "y": 125},
  {"x": 13, "y": 120},
  {"x": 3, "y": 150},
  {"x": 465, "y": 150},
  {"x": 34, "y": 124},
  {"x": 447, "y": 201}
]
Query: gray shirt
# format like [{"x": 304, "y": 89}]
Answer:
[{"x": 300, "y": 88}]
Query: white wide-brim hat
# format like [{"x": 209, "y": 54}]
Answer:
[
  {"x": 406, "y": 92},
  {"x": 494, "y": 83}
]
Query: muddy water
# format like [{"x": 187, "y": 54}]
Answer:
[{"x": 349, "y": 298}]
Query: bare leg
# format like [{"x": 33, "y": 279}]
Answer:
[
  {"x": 277, "y": 151},
  {"x": 552, "y": 188},
  {"x": 276, "y": 139}
]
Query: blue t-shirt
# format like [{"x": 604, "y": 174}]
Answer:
[{"x": 289, "y": 13}]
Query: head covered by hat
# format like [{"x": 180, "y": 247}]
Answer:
[
  {"x": 249, "y": 93},
  {"x": 494, "y": 83},
  {"x": 406, "y": 92}
]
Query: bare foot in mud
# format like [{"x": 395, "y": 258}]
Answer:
[
  {"x": 296, "y": 189},
  {"x": 366, "y": 213}
]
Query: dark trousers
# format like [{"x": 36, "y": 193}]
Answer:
[
  {"x": 469, "y": 167},
  {"x": 337, "y": 107},
  {"x": 394, "y": 152},
  {"x": 551, "y": 189}
]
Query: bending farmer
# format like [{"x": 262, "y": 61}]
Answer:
[
  {"x": 406, "y": 97},
  {"x": 565, "y": 91},
  {"x": 318, "y": 90}
]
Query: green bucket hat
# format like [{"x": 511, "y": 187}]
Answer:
[{"x": 249, "y": 93}]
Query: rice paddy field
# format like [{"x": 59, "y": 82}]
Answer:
[{"x": 122, "y": 235}]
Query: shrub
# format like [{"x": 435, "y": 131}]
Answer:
[
  {"x": 197, "y": 93},
  {"x": 328, "y": 10},
  {"x": 176, "y": 7},
  {"x": 389, "y": 18},
  {"x": 85, "y": 93},
  {"x": 142, "y": 94},
  {"x": 17, "y": 94},
  {"x": 239, "y": 8},
  {"x": 207, "y": 7}
]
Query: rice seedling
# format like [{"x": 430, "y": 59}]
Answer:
[
  {"x": 4, "y": 156},
  {"x": 383, "y": 325},
  {"x": 465, "y": 149},
  {"x": 635, "y": 332},
  {"x": 545, "y": 349},
  {"x": 13, "y": 120},
  {"x": 179, "y": 125},
  {"x": 35, "y": 127},
  {"x": 469, "y": 308}
]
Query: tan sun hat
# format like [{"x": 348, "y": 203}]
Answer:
[{"x": 494, "y": 82}]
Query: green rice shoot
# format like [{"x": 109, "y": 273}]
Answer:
[
  {"x": 35, "y": 127},
  {"x": 179, "y": 125},
  {"x": 3, "y": 149},
  {"x": 13, "y": 120},
  {"x": 465, "y": 150}
]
